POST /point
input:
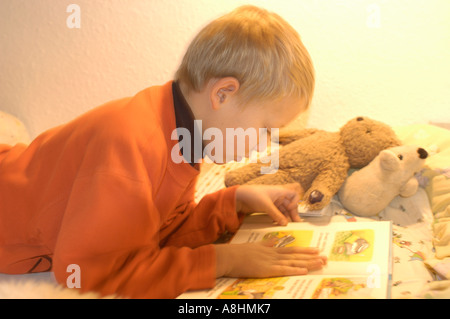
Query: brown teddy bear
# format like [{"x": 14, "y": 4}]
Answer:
[{"x": 319, "y": 160}]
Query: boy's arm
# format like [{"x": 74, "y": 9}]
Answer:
[
  {"x": 111, "y": 231},
  {"x": 202, "y": 223}
]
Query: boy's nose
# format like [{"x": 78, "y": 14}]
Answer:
[{"x": 422, "y": 153}]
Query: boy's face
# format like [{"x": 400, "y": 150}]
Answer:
[
  {"x": 247, "y": 128},
  {"x": 231, "y": 131}
]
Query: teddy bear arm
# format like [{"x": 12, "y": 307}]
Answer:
[
  {"x": 243, "y": 174},
  {"x": 324, "y": 187},
  {"x": 410, "y": 188},
  {"x": 278, "y": 178},
  {"x": 288, "y": 136}
]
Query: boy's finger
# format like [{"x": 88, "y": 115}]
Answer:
[
  {"x": 288, "y": 203},
  {"x": 303, "y": 256},
  {"x": 312, "y": 264},
  {"x": 290, "y": 208},
  {"x": 298, "y": 250},
  {"x": 293, "y": 213},
  {"x": 268, "y": 242},
  {"x": 276, "y": 215},
  {"x": 285, "y": 270},
  {"x": 279, "y": 201}
]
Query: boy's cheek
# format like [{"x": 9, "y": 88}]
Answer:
[{"x": 264, "y": 141}]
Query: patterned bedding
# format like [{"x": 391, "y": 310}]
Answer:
[{"x": 435, "y": 180}]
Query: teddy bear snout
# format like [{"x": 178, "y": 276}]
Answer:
[{"x": 422, "y": 153}]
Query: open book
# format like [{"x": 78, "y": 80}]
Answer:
[{"x": 359, "y": 263}]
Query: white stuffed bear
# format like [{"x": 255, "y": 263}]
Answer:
[{"x": 370, "y": 190}]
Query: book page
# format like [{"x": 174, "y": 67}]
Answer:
[
  {"x": 359, "y": 263},
  {"x": 351, "y": 248},
  {"x": 295, "y": 287}
]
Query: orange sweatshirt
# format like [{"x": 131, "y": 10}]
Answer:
[{"x": 102, "y": 192}]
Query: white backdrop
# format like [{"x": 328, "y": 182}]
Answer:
[{"x": 379, "y": 58}]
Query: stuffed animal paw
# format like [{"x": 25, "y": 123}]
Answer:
[{"x": 315, "y": 199}]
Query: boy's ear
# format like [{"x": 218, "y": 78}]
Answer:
[{"x": 222, "y": 90}]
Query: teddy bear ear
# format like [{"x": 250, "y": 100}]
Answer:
[{"x": 389, "y": 160}]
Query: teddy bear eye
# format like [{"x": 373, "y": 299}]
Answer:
[{"x": 400, "y": 156}]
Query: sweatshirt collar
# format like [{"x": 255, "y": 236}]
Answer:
[{"x": 184, "y": 118}]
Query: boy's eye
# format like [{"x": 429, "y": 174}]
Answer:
[{"x": 400, "y": 156}]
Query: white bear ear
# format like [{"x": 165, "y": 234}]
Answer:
[{"x": 389, "y": 160}]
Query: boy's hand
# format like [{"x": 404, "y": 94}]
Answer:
[
  {"x": 280, "y": 202},
  {"x": 256, "y": 260}
]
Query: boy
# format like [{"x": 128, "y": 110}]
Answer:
[{"x": 102, "y": 192}]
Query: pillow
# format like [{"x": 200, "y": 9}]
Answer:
[
  {"x": 12, "y": 131},
  {"x": 435, "y": 178}
]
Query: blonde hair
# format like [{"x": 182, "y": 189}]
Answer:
[{"x": 260, "y": 49}]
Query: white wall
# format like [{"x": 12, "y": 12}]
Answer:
[{"x": 379, "y": 58}]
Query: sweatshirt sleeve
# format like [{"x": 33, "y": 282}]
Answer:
[
  {"x": 111, "y": 232},
  {"x": 203, "y": 223}
]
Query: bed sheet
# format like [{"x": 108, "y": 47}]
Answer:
[{"x": 435, "y": 180}]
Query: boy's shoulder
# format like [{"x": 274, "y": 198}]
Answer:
[
  {"x": 148, "y": 105},
  {"x": 147, "y": 115}
]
